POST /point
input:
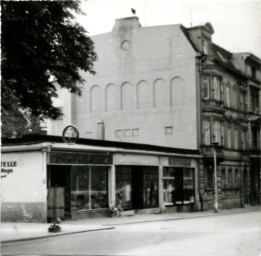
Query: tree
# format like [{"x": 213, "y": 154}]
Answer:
[{"x": 41, "y": 42}]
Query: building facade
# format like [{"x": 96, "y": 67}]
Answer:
[
  {"x": 92, "y": 175},
  {"x": 172, "y": 86}
]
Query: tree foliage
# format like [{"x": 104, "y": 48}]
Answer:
[{"x": 41, "y": 42}]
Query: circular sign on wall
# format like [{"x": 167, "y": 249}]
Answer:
[{"x": 70, "y": 134}]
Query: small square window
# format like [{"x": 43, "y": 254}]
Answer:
[
  {"x": 168, "y": 130},
  {"x": 127, "y": 133},
  {"x": 135, "y": 132},
  {"x": 118, "y": 133}
]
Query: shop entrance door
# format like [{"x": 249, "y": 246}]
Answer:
[
  {"x": 137, "y": 187},
  {"x": 179, "y": 185},
  {"x": 145, "y": 187},
  {"x": 60, "y": 176}
]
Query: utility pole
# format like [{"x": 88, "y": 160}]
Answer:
[{"x": 214, "y": 144}]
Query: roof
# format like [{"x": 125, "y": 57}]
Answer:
[
  {"x": 222, "y": 56},
  {"x": 40, "y": 138}
]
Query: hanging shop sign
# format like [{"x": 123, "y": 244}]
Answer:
[
  {"x": 70, "y": 134},
  {"x": 79, "y": 158}
]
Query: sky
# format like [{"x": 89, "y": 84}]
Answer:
[{"x": 237, "y": 23}]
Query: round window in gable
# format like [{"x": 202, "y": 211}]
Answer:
[{"x": 125, "y": 45}]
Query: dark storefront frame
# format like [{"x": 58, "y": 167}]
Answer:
[
  {"x": 137, "y": 187},
  {"x": 84, "y": 175},
  {"x": 178, "y": 186}
]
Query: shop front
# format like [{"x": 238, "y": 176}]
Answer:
[
  {"x": 90, "y": 175},
  {"x": 84, "y": 179}
]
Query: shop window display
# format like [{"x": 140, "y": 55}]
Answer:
[
  {"x": 168, "y": 186},
  {"x": 150, "y": 187},
  {"x": 123, "y": 187},
  {"x": 89, "y": 188},
  {"x": 178, "y": 186}
]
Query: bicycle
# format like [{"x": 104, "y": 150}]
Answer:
[{"x": 115, "y": 211}]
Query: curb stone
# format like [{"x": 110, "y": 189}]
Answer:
[{"x": 55, "y": 235}]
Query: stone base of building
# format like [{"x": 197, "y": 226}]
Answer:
[
  {"x": 171, "y": 209},
  {"x": 185, "y": 208},
  {"x": 23, "y": 212},
  {"x": 90, "y": 214},
  {"x": 228, "y": 203},
  {"x": 148, "y": 211},
  {"x": 223, "y": 203}
]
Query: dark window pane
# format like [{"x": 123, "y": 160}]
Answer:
[
  {"x": 123, "y": 187},
  {"x": 150, "y": 187},
  {"x": 80, "y": 188},
  {"x": 99, "y": 186}
]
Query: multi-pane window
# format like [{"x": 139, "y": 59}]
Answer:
[
  {"x": 89, "y": 187},
  {"x": 222, "y": 135},
  {"x": 255, "y": 102},
  {"x": 237, "y": 178},
  {"x": 234, "y": 96},
  {"x": 236, "y": 138},
  {"x": 255, "y": 137},
  {"x": 244, "y": 139},
  {"x": 178, "y": 185},
  {"x": 216, "y": 87},
  {"x": 123, "y": 187},
  {"x": 230, "y": 178},
  {"x": 223, "y": 178},
  {"x": 229, "y": 138},
  {"x": 206, "y": 132},
  {"x": 217, "y": 132},
  {"x": 253, "y": 72},
  {"x": 169, "y": 186},
  {"x": 228, "y": 101},
  {"x": 205, "y": 89}
]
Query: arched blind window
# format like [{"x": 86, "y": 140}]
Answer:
[
  {"x": 96, "y": 105},
  {"x": 177, "y": 92}
]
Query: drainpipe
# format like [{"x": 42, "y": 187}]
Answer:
[{"x": 201, "y": 58}]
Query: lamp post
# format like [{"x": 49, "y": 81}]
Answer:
[{"x": 214, "y": 145}]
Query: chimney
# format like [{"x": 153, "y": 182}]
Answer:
[
  {"x": 100, "y": 131},
  {"x": 125, "y": 24}
]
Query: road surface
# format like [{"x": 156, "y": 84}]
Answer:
[{"x": 229, "y": 235}]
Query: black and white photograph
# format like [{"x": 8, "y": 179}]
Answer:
[{"x": 131, "y": 127}]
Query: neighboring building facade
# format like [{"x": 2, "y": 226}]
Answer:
[{"x": 171, "y": 87}]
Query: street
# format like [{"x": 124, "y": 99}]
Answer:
[{"x": 233, "y": 234}]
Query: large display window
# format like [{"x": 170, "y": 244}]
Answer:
[
  {"x": 123, "y": 187},
  {"x": 178, "y": 186},
  {"x": 150, "y": 187},
  {"x": 89, "y": 187}
]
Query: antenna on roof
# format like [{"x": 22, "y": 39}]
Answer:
[
  {"x": 145, "y": 12},
  {"x": 190, "y": 16}
]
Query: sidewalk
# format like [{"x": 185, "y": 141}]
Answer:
[{"x": 28, "y": 231}]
